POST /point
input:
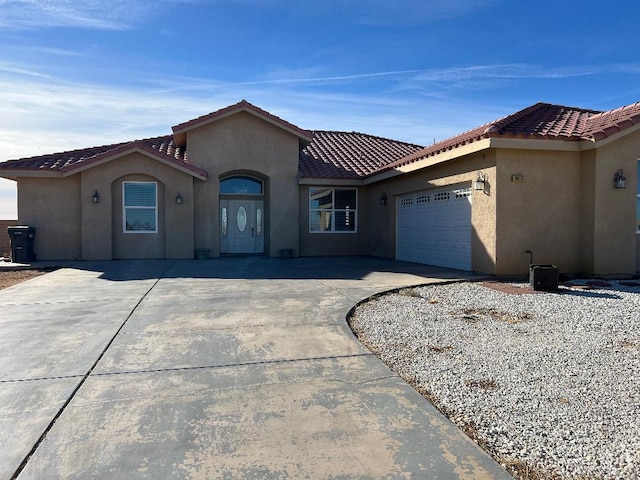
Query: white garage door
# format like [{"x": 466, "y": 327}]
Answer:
[{"x": 434, "y": 227}]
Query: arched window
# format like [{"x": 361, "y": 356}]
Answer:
[{"x": 241, "y": 185}]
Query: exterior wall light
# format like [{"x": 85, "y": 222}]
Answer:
[
  {"x": 96, "y": 197},
  {"x": 479, "y": 182},
  {"x": 619, "y": 180},
  {"x": 383, "y": 199},
  {"x": 178, "y": 199}
]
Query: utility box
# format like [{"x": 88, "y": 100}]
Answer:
[
  {"x": 22, "y": 238},
  {"x": 543, "y": 277}
]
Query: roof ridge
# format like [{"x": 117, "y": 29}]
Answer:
[
  {"x": 499, "y": 124},
  {"x": 242, "y": 105},
  {"x": 369, "y": 135}
]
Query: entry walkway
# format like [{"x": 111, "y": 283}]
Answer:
[{"x": 226, "y": 368}]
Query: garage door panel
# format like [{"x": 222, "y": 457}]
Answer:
[{"x": 434, "y": 227}]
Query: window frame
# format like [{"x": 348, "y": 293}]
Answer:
[
  {"x": 125, "y": 207},
  {"x": 333, "y": 211}
]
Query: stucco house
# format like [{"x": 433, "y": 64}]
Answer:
[{"x": 559, "y": 182}]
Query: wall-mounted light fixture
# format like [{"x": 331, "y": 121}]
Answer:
[
  {"x": 96, "y": 197},
  {"x": 619, "y": 180},
  {"x": 383, "y": 199},
  {"x": 479, "y": 182},
  {"x": 178, "y": 199}
]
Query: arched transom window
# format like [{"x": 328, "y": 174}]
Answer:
[{"x": 241, "y": 185}]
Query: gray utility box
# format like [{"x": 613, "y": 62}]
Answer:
[
  {"x": 22, "y": 243},
  {"x": 543, "y": 277}
]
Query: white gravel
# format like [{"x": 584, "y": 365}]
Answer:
[{"x": 549, "y": 381}]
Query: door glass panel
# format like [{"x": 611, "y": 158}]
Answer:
[
  {"x": 259, "y": 221},
  {"x": 223, "y": 220},
  {"x": 241, "y": 219}
]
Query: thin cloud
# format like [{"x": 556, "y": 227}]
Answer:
[
  {"x": 88, "y": 14},
  {"x": 19, "y": 70}
]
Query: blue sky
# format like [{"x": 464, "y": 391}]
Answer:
[{"x": 78, "y": 73}]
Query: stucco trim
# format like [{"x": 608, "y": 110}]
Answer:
[
  {"x": 180, "y": 131},
  {"x": 14, "y": 174},
  {"x": 430, "y": 161},
  {"x": 114, "y": 155},
  {"x": 328, "y": 181}
]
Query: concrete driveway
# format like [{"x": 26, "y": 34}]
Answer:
[{"x": 226, "y": 368}]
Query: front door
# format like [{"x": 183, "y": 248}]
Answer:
[{"x": 245, "y": 226}]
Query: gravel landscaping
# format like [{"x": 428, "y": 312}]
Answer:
[{"x": 548, "y": 383}]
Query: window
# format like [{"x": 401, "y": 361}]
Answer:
[
  {"x": 140, "y": 202},
  {"x": 638, "y": 199},
  {"x": 241, "y": 186},
  {"x": 332, "y": 209}
]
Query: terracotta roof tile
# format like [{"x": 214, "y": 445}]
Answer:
[
  {"x": 57, "y": 161},
  {"x": 539, "y": 121},
  {"x": 162, "y": 148},
  {"x": 349, "y": 155},
  {"x": 353, "y": 155},
  {"x": 604, "y": 124}
]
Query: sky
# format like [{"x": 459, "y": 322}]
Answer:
[{"x": 80, "y": 73}]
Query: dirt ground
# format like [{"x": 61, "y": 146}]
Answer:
[{"x": 11, "y": 277}]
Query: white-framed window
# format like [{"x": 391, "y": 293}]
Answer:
[
  {"x": 140, "y": 207},
  {"x": 333, "y": 210}
]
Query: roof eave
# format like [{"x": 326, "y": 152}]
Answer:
[
  {"x": 110, "y": 156},
  {"x": 330, "y": 181},
  {"x": 29, "y": 173}
]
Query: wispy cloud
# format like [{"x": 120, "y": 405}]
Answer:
[
  {"x": 19, "y": 70},
  {"x": 89, "y": 14}
]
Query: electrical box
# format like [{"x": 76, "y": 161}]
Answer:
[{"x": 543, "y": 277}]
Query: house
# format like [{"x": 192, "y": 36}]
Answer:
[{"x": 548, "y": 184}]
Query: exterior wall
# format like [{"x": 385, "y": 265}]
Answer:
[
  {"x": 137, "y": 245},
  {"x": 587, "y": 211},
  {"x": 102, "y": 230},
  {"x": 245, "y": 144},
  {"x": 541, "y": 213},
  {"x": 615, "y": 240},
  {"x": 317, "y": 244},
  {"x": 54, "y": 207},
  {"x": 381, "y": 230},
  {"x": 5, "y": 241}
]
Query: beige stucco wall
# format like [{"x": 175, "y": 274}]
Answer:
[
  {"x": 245, "y": 144},
  {"x": 102, "y": 232},
  {"x": 614, "y": 237},
  {"x": 53, "y": 207},
  {"x": 541, "y": 214}
]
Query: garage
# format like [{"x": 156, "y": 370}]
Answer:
[{"x": 434, "y": 227}]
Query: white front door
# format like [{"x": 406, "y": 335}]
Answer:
[{"x": 244, "y": 226}]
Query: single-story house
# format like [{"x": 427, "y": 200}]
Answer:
[{"x": 555, "y": 184}]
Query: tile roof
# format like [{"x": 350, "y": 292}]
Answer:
[
  {"x": 349, "y": 155},
  {"x": 241, "y": 106},
  {"x": 162, "y": 148},
  {"x": 605, "y": 124},
  {"x": 539, "y": 121},
  {"x": 353, "y": 155}
]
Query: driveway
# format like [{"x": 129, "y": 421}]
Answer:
[{"x": 227, "y": 368}]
